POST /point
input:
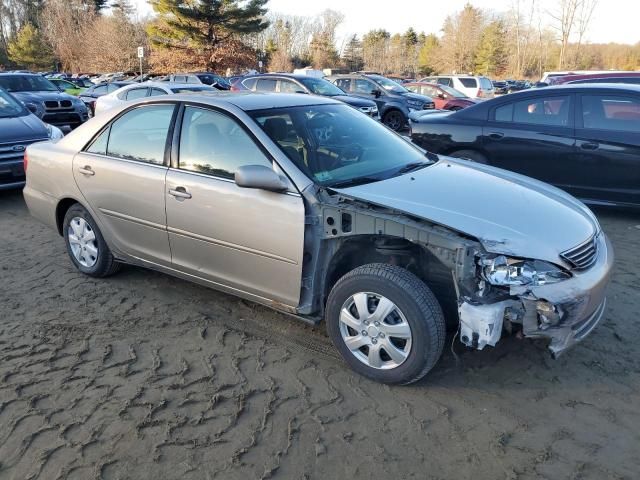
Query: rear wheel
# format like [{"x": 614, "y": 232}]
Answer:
[
  {"x": 386, "y": 323},
  {"x": 85, "y": 244},
  {"x": 394, "y": 119},
  {"x": 470, "y": 155}
]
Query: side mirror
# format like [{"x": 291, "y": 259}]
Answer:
[
  {"x": 300, "y": 91},
  {"x": 32, "y": 108},
  {"x": 441, "y": 96},
  {"x": 376, "y": 93},
  {"x": 259, "y": 176}
]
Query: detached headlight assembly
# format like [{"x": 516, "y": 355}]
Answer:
[{"x": 505, "y": 271}]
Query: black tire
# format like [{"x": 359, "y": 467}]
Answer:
[
  {"x": 471, "y": 155},
  {"x": 418, "y": 305},
  {"x": 105, "y": 263},
  {"x": 394, "y": 119}
]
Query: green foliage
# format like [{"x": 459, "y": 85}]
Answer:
[
  {"x": 352, "y": 54},
  {"x": 427, "y": 55},
  {"x": 491, "y": 56},
  {"x": 29, "y": 49},
  {"x": 204, "y": 26}
]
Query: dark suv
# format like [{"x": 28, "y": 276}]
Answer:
[
  {"x": 394, "y": 101},
  {"x": 291, "y": 83},
  {"x": 45, "y": 99}
]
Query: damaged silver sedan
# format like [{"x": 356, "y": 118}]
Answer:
[{"x": 312, "y": 208}]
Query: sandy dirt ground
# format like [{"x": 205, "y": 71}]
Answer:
[{"x": 146, "y": 376}]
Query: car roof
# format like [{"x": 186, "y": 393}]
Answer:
[
  {"x": 295, "y": 76},
  {"x": 21, "y": 74},
  {"x": 579, "y": 88},
  {"x": 255, "y": 100}
]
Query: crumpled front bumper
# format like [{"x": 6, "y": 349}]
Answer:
[
  {"x": 576, "y": 306},
  {"x": 580, "y": 299}
]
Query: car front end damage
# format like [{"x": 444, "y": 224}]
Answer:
[
  {"x": 560, "y": 304},
  {"x": 494, "y": 293}
]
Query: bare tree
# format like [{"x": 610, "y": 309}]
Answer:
[{"x": 565, "y": 20}]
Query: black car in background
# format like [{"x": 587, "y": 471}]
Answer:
[
  {"x": 19, "y": 128},
  {"x": 584, "y": 139},
  {"x": 499, "y": 87},
  {"x": 291, "y": 83},
  {"x": 394, "y": 101},
  {"x": 45, "y": 99},
  {"x": 91, "y": 94}
]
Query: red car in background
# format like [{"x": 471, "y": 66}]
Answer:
[{"x": 445, "y": 97}]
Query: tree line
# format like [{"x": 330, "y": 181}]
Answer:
[{"x": 232, "y": 35}]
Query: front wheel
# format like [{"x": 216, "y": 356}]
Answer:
[
  {"x": 386, "y": 323},
  {"x": 394, "y": 119}
]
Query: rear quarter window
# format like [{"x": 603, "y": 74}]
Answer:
[{"x": 469, "y": 82}]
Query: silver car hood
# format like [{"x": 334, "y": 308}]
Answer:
[{"x": 508, "y": 213}]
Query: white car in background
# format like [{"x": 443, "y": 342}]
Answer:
[
  {"x": 136, "y": 91},
  {"x": 477, "y": 87}
]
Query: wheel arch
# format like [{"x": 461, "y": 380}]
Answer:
[
  {"x": 360, "y": 250},
  {"x": 61, "y": 210}
]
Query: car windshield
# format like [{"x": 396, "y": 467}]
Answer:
[
  {"x": 319, "y": 86},
  {"x": 205, "y": 88},
  {"x": 452, "y": 91},
  {"x": 337, "y": 146},
  {"x": 389, "y": 84},
  {"x": 26, "y": 83},
  {"x": 10, "y": 107}
]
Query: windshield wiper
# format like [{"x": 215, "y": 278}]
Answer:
[
  {"x": 410, "y": 167},
  {"x": 353, "y": 182}
]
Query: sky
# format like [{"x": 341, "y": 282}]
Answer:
[{"x": 613, "y": 20}]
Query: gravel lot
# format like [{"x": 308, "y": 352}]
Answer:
[{"x": 145, "y": 376}]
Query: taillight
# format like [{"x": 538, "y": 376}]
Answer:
[
  {"x": 479, "y": 95},
  {"x": 25, "y": 161}
]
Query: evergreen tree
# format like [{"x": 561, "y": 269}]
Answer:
[
  {"x": 491, "y": 57},
  {"x": 207, "y": 28},
  {"x": 352, "y": 54},
  {"x": 29, "y": 49}
]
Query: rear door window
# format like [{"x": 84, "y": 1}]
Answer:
[
  {"x": 157, "y": 91},
  {"x": 141, "y": 134},
  {"x": 445, "y": 81},
  {"x": 100, "y": 90},
  {"x": 551, "y": 111},
  {"x": 609, "y": 112},
  {"x": 250, "y": 83},
  {"x": 266, "y": 85},
  {"x": 135, "y": 93}
]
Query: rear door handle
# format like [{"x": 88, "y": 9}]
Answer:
[
  {"x": 86, "y": 170},
  {"x": 496, "y": 135},
  {"x": 179, "y": 192},
  {"x": 589, "y": 146}
]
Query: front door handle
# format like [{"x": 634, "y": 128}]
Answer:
[
  {"x": 589, "y": 146},
  {"x": 86, "y": 170},
  {"x": 179, "y": 192},
  {"x": 496, "y": 135}
]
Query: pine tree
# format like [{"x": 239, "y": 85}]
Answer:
[
  {"x": 426, "y": 55},
  {"x": 352, "y": 54},
  {"x": 29, "y": 49},
  {"x": 207, "y": 28}
]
